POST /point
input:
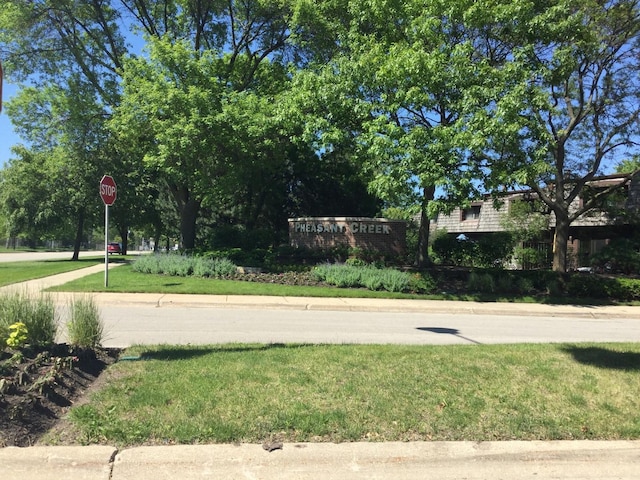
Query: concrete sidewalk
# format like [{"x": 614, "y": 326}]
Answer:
[
  {"x": 392, "y": 460},
  {"x": 399, "y": 461}
]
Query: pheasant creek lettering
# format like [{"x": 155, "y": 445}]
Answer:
[
  {"x": 355, "y": 227},
  {"x": 387, "y": 236}
]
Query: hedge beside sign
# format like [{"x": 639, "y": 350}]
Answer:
[{"x": 379, "y": 234}]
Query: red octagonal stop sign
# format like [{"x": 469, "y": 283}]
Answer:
[{"x": 108, "y": 190}]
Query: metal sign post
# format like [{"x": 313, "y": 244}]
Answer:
[
  {"x": 108, "y": 193},
  {"x": 106, "y": 245}
]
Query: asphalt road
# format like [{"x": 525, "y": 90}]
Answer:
[{"x": 147, "y": 324}]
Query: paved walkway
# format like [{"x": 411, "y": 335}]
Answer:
[{"x": 438, "y": 460}]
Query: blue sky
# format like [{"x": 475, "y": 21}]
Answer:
[{"x": 8, "y": 137}]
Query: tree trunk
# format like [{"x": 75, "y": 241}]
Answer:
[
  {"x": 422, "y": 255},
  {"x": 79, "y": 230},
  {"x": 156, "y": 239},
  {"x": 124, "y": 234},
  {"x": 188, "y": 216},
  {"x": 188, "y": 208},
  {"x": 560, "y": 239}
]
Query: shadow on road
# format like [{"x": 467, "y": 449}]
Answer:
[{"x": 448, "y": 331}]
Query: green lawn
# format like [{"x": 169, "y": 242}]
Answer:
[
  {"x": 15, "y": 272},
  {"x": 123, "y": 279},
  {"x": 339, "y": 393}
]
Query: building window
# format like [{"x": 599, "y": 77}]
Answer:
[{"x": 471, "y": 213}]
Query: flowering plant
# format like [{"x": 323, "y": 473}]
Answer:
[{"x": 18, "y": 336}]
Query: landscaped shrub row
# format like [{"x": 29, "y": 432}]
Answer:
[
  {"x": 621, "y": 289},
  {"x": 352, "y": 276},
  {"x": 184, "y": 265},
  {"x": 554, "y": 284},
  {"x": 344, "y": 276},
  {"x": 287, "y": 258},
  {"x": 490, "y": 250},
  {"x": 355, "y": 274}
]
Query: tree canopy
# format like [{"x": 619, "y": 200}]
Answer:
[{"x": 245, "y": 112}]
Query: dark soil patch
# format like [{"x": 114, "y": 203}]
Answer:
[{"x": 38, "y": 386}]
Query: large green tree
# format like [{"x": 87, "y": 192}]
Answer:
[
  {"x": 463, "y": 97},
  {"x": 563, "y": 106},
  {"x": 399, "y": 78},
  {"x": 203, "y": 99}
]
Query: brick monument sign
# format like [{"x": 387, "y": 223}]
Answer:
[{"x": 377, "y": 234}]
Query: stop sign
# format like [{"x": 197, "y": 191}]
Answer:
[{"x": 108, "y": 190}]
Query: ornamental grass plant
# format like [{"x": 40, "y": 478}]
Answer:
[
  {"x": 37, "y": 312},
  {"x": 85, "y": 328}
]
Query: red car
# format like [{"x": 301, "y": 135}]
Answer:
[{"x": 114, "y": 248}]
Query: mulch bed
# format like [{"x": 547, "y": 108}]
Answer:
[{"x": 39, "y": 385}]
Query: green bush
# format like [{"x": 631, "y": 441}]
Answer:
[
  {"x": 622, "y": 255},
  {"x": 596, "y": 286},
  {"x": 372, "y": 280},
  {"x": 85, "y": 328},
  {"x": 422, "y": 282},
  {"x": 237, "y": 236},
  {"x": 525, "y": 286},
  {"x": 213, "y": 267},
  {"x": 506, "y": 283},
  {"x": 395, "y": 281},
  {"x": 346, "y": 276},
  {"x": 178, "y": 265},
  {"x": 481, "y": 283},
  {"x": 147, "y": 264},
  {"x": 448, "y": 250},
  {"x": 288, "y": 255},
  {"x": 183, "y": 265},
  {"x": 630, "y": 287},
  {"x": 490, "y": 250},
  {"x": 529, "y": 257},
  {"x": 493, "y": 250},
  {"x": 355, "y": 262},
  {"x": 587, "y": 286},
  {"x": 247, "y": 258}
]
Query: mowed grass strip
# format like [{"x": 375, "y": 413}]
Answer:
[
  {"x": 15, "y": 272},
  {"x": 123, "y": 279},
  {"x": 327, "y": 393}
]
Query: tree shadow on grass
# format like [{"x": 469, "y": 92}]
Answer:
[
  {"x": 180, "y": 353},
  {"x": 605, "y": 358}
]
